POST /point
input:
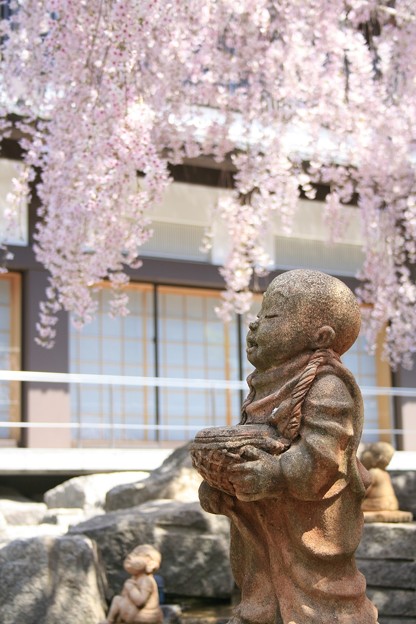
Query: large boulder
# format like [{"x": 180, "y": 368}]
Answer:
[
  {"x": 3, "y": 523},
  {"x": 22, "y": 511},
  {"x": 68, "y": 516},
  {"x": 13, "y": 532},
  {"x": 16, "y": 509},
  {"x": 194, "y": 545},
  {"x": 88, "y": 491},
  {"x": 175, "y": 479},
  {"x": 51, "y": 581}
]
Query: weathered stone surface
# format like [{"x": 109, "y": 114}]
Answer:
[
  {"x": 388, "y": 541},
  {"x": 195, "y": 619},
  {"x": 22, "y": 511},
  {"x": 404, "y": 484},
  {"x": 395, "y": 620},
  {"x": 69, "y": 516},
  {"x": 50, "y": 581},
  {"x": 25, "y": 531},
  {"x": 175, "y": 479},
  {"x": 88, "y": 491},
  {"x": 390, "y": 574},
  {"x": 171, "y": 614},
  {"x": 387, "y": 558},
  {"x": 399, "y": 602},
  {"x": 56, "y": 515},
  {"x": 193, "y": 545}
]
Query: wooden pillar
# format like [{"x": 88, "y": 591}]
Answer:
[{"x": 44, "y": 402}]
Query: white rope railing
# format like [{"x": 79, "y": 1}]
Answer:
[
  {"x": 167, "y": 382},
  {"x": 121, "y": 380},
  {"x": 154, "y": 382},
  {"x": 148, "y": 427},
  {"x": 85, "y": 425}
]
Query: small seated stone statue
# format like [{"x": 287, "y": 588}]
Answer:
[
  {"x": 380, "y": 503},
  {"x": 138, "y": 602},
  {"x": 287, "y": 475}
]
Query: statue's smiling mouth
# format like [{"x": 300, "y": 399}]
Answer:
[{"x": 251, "y": 343}]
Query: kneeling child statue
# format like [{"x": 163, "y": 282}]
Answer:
[{"x": 138, "y": 602}]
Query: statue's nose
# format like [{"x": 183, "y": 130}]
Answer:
[{"x": 253, "y": 325}]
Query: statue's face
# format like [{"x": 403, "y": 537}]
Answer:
[
  {"x": 141, "y": 560},
  {"x": 279, "y": 333},
  {"x": 135, "y": 563}
]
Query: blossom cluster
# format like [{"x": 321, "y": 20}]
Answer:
[{"x": 108, "y": 92}]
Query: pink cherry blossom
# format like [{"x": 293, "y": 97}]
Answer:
[{"x": 108, "y": 92}]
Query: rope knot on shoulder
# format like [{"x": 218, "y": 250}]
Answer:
[{"x": 291, "y": 409}]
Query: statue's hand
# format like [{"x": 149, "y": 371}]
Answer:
[
  {"x": 214, "y": 501},
  {"x": 256, "y": 478}
]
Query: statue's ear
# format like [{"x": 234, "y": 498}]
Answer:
[
  {"x": 324, "y": 337},
  {"x": 151, "y": 567}
]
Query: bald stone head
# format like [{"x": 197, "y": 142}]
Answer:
[
  {"x": 318, "y": 299},
  {"x": 144, "y": 558},
  {"x": 377, "y": 455},
  {"x": 303, "y": 310}
]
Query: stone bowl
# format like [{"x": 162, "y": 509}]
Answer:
[{"x": 215, "y": 449}]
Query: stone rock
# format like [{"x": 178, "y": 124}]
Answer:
[
  {"x": 88, "y": 491},
  {"x": 68, "y": 516},
  {"x": 394, "y": 602},
  {"x": 171, "y": 614},
  {"x": 394, "y": 620},
  {"x": 386, "y": 573},
  {"x": 388, "y": 541},
  {"x": 404, "y": 484},
  {"x": 21, "y": 511},
  {"x": 24, "y": 532},
  {"x": 50, "y": 581},
  {"x": 193, "y": 544},
  {"x": 175, "y": 479},
  {"x": 387, "y": 558}
]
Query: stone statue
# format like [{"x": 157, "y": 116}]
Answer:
[
  {"x": 287, "y": 475},
  {"x": 138, "y": 602},
  {"x": 380, "y": 503}
]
